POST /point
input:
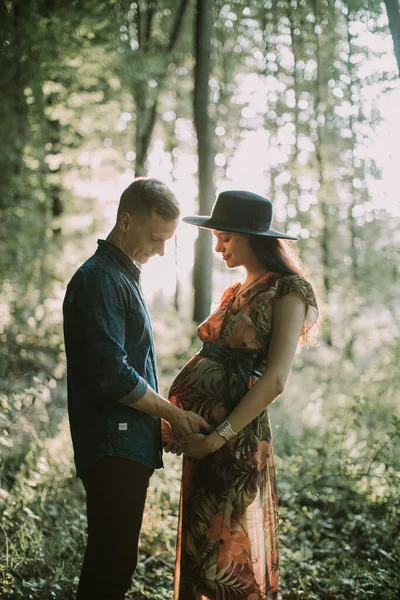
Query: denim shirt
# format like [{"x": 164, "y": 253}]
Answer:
[{"x": 110, "y": 353}]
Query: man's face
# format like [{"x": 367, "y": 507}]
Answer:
[{"x": 145, "y": 236}]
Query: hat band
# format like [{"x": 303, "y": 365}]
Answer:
[
  {"x": 254, "y": 225},
  {"x": 234, "y": 220},
  {"x": 260, "y": 225}
]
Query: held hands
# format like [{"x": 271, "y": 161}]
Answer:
[
  {"x": 195, "y": 446},
  {"x": 199, "y": 446},
  {"x": 184, "y": 425}
]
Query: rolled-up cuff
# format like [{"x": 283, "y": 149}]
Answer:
[{"x": 136, "y": 393}]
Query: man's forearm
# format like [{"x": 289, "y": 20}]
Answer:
[
  {"x": 152, "y": 404},
  {"x": 182, "y": 422}
]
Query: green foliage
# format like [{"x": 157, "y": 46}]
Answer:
[
  {"x": 43, "y": 524},
  {"x": 339, "y": 491},
  {"x": 339, "y": 521}
]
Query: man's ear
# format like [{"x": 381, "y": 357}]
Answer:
[{"x": 125, "y": 221}]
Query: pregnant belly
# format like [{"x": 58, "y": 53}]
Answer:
[{"x": 203, "y": 387}]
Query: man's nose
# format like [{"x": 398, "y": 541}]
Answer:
[{"x": 161, "y": 248}]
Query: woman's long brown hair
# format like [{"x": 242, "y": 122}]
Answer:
[
  {"x": 278, "y": 255},
  {"x": 281, "y": 256}
]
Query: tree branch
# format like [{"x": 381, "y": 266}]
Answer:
[
  {"x": 139, "y": 23},
  {"x": 149, "y": 20},
  {"x": 177, "y": 26}
]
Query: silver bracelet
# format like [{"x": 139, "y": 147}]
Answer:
[{"x": 225, "y": 430}]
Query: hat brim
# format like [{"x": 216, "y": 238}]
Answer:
[{"x": 208, "y": 223}]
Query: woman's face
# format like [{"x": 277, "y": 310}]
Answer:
[{"x": 234, "y": 248}]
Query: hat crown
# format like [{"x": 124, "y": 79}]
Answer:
[{"x": 242, "y": 209}]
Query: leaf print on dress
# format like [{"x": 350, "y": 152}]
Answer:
[{"x": 234, "y": 545}]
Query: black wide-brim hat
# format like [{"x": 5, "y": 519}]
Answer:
[{"x": 242, "y": 212}]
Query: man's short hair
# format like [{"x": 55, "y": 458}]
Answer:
[{"x": 145, "y": 195}]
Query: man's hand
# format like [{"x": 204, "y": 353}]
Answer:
[
  {"x": 182, "y": 422},
  {"x": 186, "y": 422}
]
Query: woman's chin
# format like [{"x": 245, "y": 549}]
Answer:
[{"x": 231, "y": 264}]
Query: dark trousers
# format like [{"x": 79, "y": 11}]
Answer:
[{"x": 115, "y": 496}]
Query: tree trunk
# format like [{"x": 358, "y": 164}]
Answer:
[
  {"x": 393, "y": 13},
  {"x": 14, "y": 130},
  {"x": 202, "y": 274},
  {"x": 322, "y": 192},
  {"x": 355, "y": 200},
  {"x": 171, "y": 143},
  {"x": 177, "y": 293}
]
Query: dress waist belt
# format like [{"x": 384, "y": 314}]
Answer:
[{"x": 244, "y": 363}]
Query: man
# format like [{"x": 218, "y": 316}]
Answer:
[{"x": 113, "y": 404}]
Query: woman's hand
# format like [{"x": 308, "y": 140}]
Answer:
[
  {"x": 173, "y": 448},
  {"x": 198, "y": 445},
  {"x": 195, "y": 445},
  {"x": 167, "y": 433}
]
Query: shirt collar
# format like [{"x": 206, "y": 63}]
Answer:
[{"x": 122, "y": 258}]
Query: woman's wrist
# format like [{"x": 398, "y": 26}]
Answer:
[
  {"x": 215, "y": 441},
  {"x": 225, "y": 430}
]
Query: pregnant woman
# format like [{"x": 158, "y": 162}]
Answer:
[{"x": 228, "y": 525}]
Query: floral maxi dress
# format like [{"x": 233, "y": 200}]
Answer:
[{"x": 227, "y": 546}]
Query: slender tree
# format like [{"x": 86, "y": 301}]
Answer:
[{"x": 202, "y": 274}]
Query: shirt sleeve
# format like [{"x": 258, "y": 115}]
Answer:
[{"x": 99, "y": 303}]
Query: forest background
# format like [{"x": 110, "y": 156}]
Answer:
[{"x": 295, "y": 99}]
